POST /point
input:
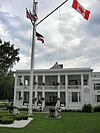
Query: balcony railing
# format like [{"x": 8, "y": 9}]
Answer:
[
  {"x": 74, "y": 86},
  {"x": 51, "y": 87},
  {"x": 62, "y": 87}
]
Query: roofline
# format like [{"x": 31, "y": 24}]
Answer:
[{"x": 54, "y": 70}]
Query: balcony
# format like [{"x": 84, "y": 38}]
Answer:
[{"x": 49, "y": 87}]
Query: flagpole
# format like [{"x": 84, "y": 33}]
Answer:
[
  {"x": 33, "y": 51},
  {"x": 51, "y": 12},
  {"x": 32, "y": 61}
]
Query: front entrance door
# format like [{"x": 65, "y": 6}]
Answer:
[{"x": 52, "y": 100}]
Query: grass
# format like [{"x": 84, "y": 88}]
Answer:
[{"x": 71, "y": 122}]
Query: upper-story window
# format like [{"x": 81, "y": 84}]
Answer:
[
  {"x": 51, "y": 80},
  {"x": 74, "y": 79},
  {"x": 97, "y": 86},
  {"x": 19, "y": 80},
  {"x": 62, "y": 79},
  {"x": 85, "y": 79},
  {"x": 27, "y": 80},
  {"x": 40, "y": 80}
]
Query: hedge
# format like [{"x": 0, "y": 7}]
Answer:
[
  {"x": 18, "y": 117},
  {"x": 7, "y": 120},
  {"x": 24, "y": 116},
  {"x": 87, "y": 108},
  {"x": 97, "y": 108}
]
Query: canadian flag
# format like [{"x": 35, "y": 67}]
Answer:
[{"x": 85, "y": 13}]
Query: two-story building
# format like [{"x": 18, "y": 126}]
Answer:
[{"x": 73, "y": 87}]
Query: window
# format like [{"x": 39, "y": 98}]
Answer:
[
  {"x": 19, "y": 81},
  {"x": 40, "y": 78},
  {"x": 97, "y": 86},
  {"x": 26, "y": 97},
  {"x": 69, "y": 96},
  {"x": 85, "y": 79},
  {"x": 62, "y": 79},
  {"x": 27, "y": 80},
  {"x": 79, "y": 96},
  {"x": 18, "y": 95},
  {"x": 74, "y": 96},
  {"x": 98, "y": 98}
]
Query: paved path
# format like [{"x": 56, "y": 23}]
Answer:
[{"x": 17, "y": 124}]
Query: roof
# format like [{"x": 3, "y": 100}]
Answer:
[
  {"x": 57, "y": 68},
  {"x": 66, "y": 70}
]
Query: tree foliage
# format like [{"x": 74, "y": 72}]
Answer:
[
  {"x": 7, "y": 87},
  {"x": 8, "y": 57}
]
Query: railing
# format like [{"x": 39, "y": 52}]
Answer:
[
  {"x": 62, "y": 87},
  {"x": 51, "y": 87},
  {"x": 40, "y": 87},
  {"x": 74, "y": 86},
  {"x": 27, "y": 87}
]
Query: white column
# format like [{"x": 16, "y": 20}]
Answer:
[
  {"x": 66, "y": 90},
  {"x": 59, "y": 86},
  {"x": 22, "y": 94},
  {"x": 36, "y": 88},
  {"x": 82, "y": 90},
  {"x": 91, "y": 89},
  {"x": 58, "y": 101},
  {"x": 14, "y": 104},
  {"x": 43, "y": 92}
]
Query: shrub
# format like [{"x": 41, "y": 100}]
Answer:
[
  {"x": 24, "y": 116},
  {"x": 0, "y": 120},
  {"x": 18, "y": 117},
  {"x": 87, "y": 108},
  {"x": 97, "y": 108},
  {"x": 7, "y": 120},
  {"x": 4, "y": 104}
]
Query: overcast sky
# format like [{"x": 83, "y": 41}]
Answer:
[{"x": 69, "y": 38}]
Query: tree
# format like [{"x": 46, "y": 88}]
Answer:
[
  {"x": 7, "y": 87},
  {"x": 8, "y": 57}
]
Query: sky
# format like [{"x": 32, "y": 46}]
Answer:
[{"x": 69, "y": 38}]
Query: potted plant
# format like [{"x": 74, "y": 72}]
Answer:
[
  {"x": 34, "y": 99},
  {"x": 20, "y": 98},
  {"x": 57, "y": 84},
  {"x": 58, "y": 98},
  {"x": 43, "y": 84},
  {"x": 42, "y": 98},
  {"x": 35, "y": 83}
]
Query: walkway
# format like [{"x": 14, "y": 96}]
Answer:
[{"x": 17, "y": 124}]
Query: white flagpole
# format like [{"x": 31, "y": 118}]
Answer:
[
  {"x": 32, "y": 61},
  {"x": 33, "y": 50}
]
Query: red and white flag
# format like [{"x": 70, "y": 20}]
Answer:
[
  {"x": 85, "y": 13},
  {"x": 30, "y": 15},
  {"x": 39, "y": 37}
]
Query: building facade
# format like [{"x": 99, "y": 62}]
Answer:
[{"x": 72, "y": 87}]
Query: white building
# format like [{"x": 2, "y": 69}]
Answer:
[{"x": 73, "y": 87}]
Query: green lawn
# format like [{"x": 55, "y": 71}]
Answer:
[{"x": 71, "y": 122}]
